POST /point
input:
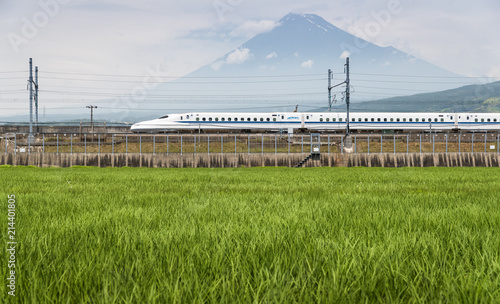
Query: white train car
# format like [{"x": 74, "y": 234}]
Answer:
[{"x": 327, "y": 121}]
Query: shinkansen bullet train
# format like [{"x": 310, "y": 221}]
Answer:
[{"x": 328, "y": 121}]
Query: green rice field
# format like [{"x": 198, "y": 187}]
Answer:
[{"x": 259, "y": 235}]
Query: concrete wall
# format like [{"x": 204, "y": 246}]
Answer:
[{"x": 250, "y": 160}]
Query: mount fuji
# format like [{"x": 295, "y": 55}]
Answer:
[{"x": 288, "y": 66}]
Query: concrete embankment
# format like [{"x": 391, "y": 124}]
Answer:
[{"x": 250, "y": 160}]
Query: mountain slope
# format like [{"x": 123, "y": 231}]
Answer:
[
  {"x": 472, "y": 98},
  {"x": 288, "y": 65}
]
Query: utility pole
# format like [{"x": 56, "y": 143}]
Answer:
[
  {"x": 348, "y": 140},
  {"x": 30, "y": 88},
  {"x": 92, "y": 117},
  {"x": 36, "y": 98},
  {"x": 347, "y": 94}
]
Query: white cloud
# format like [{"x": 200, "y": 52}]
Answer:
[
  {"x": 217, "y": 65},
  {"x": 252, "y": 28},
  {"x": 238, "y": 56},
  {"x": 308, "y": 64},
  {"x": 272, "y": 55},
  {"x": 344, "y": 55}
]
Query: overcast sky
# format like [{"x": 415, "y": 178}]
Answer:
[{"x": 175, "y": 37}]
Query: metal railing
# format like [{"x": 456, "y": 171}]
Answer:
[{"x": 484, "y": 142}]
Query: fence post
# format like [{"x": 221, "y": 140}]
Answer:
[
  {"x": 126, "y": 143},
  {"x": 433, "y": 143},
  {"x": 208, "y": 143},
  {"x": 181, "y": 144},
  {"x": 248, "y": 142},
  {"x": 71, "y": 139},
  {"x": 460, "y": 143},
  {"x": 262, "y": 150},
  {"x": 498, "y": 143},
  {"x": 355, "y": 145},
  {"x": 167, "y": 144},
  {"x": 381, "y": 143},
  {"x": 235, "y": 145},
  {"x": 485, "y": 138},
  {"x": 394, "y": 140},
  {"x": 446, "y": 136},
  {"x": 289, "y": 143},
  {"x": 15, "y": 143},
  {"x": 113, "y": 143},
  {"x": 328, "y": 144},
  {"x": 368, "y": 140},
  {"x": 408, "y": 143},
  {"x": 302, "y": 143},
  {"x": 43, "y": 143},
  {"x": 195, "y": 144},
  {"x": 57, "y": 143},
  {"x": 99, "y": 143},
  {"x": 275, "y": 145},
  {"x": 472, "y": 142},
  {"x": 221, "y": 144},
  {"x": 420, "y": 135},
  {"x": 154, "y": 144},
  {"x": 341, "y": 145},
  {"x": 6, "y": 144},
  {"x": 85, "y": 140}
]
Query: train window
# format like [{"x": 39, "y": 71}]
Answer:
[
  {"x": 354, "y": 119},
  {"x": 210, "y": 119},
  {"x": 229, "y": 119},
  {"x": 482, "y": 119},
  {"x": 254, "y": 119},
  {"x": 166, "y": 116},
  {"x": 476, "y": 120},
  {"x": 442, "y": 119},
  {"x": 366, "y": 119},
  {"x": 282, "y": 117},
  {"x": 404, "y": 119},
  {"x": 261, "y": 119},
  {"x": 216, "y": 118},
  {"x": 307, "y": 117},
  {"x": 328, "y": 120},
  {"x": 385, "y": 119},
  {"x": 222, "y": 119},
  {"x": 268, "y": 119},
  {"x": 392, "y": 119},
  {"x": 340, "y": 119},
  {"x": 236, "y": 119},
  {"x": 397, "y": 119},
  {"x": 274, "y": 119},
  {"x": 489, "y": 120},
  {"x": 321, "y": 119},
  {"x": 378, "y": 119},
  {"x": 411, "y": 119},
  {"x": 204, "y": 119},
  {"x": 373, "y": 119},
  {"x": 248, "y": 119},
  {"x": 416, "y": 119},
  {"x": 359, "y": 119},
  {"x": 181, "y": 117},
  {"x": 430, "y": 120},
  {"x": 334, "y": 119},
  {"x": 451, "y": 117},
  {"x": 197, "y": 119},
  {"x": 467, "y": 117},
  {"x": 435, "y": 119}
]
